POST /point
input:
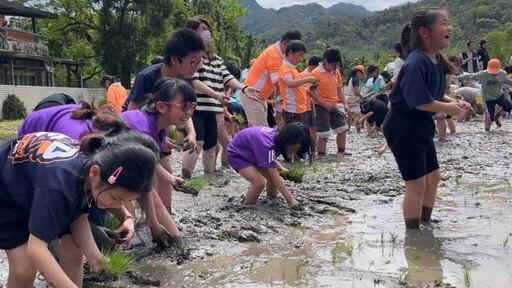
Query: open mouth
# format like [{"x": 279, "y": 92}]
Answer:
[{"x": 185, "y": 118}]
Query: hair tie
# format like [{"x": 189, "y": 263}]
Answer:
[
  {"x": 112, "y": 179},
  {"x": 106, "y": 142}
]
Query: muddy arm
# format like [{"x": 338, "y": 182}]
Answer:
[{"x": 281, "y": 187}]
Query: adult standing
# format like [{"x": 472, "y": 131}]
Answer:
[
  {"x": 263, "y": 76},
  {"x": 470, "y": 63},
  {"x": 208, "y": 115},
  {"x": 116, "y": 93},
  {"x": 483, "y": 56}
]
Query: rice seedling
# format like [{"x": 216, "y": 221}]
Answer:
[
  {"x": 251, "y": 267},
  {"x": 416, "y": 257},
  {"x": 387, "y": 261},
  {"x": 393, "y": 237},
  {"x": 301, "y": 229},
  {"x": 224, "y": 235},
  {"x": 466, "y": 275},
  {"x": 116, "y": 263},
  {"x": 437, "y": 245},
  {"x": 505, "y": 242},
  {"x": 113, "y": 223},
  {"x": 382, "y": 238},
  {"x": 333, "y": 212},
  {"x": 458, "y": 180},
  {"x": 239, "y": 118},
  {"x": 509, "y": 184},
  {"x": 403, "y": 276},
  {"x": 350, "y": 249},
  {"x": 294, "y": 174},
  {"x": 335, "y": 252},
  {"x": 302, "y": 262},
  {"x": 438, "y": 282}
]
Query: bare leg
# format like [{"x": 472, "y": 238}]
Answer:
[
  {"x": 441, "y": 129},
  {"x": 429, "y": 197},
  {"x": 224, "y": 142},
  {"x": 271, "y": 187},
  {"x": 451, "y": 126},
  {"x": 414, "y": 190},
  {"x": 189, "y": 161},
  {"x": 321, "y": 146},
  {"x": 70, "y": 258},
  {"x": 21, "y": 272},
  {"x": 341, "y": 141},
  {"x": 257, "y": 184}
]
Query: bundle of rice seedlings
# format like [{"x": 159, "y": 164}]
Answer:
[
  {"x": 193, "y": 186},
  {"x": 116, "y": 263},
  {"x": 173, "y": 135},
  {"x": 294, "y": 174},
  {"x": 239, "y": 118}
]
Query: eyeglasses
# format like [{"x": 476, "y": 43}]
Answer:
[
  {"x": 185, "y": 107},
  {"x": 193, "y": 63}
]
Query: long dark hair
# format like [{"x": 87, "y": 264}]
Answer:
[
  {"x": 410, "y": 38},
  {"x": 102, "y": 120},
  {"x": 295, "y": 133},
  {"x": 135, "y": 153},
  {"x": 166, "y": 90},
  {"x": 351, "y": 74},
  {"x": 398, "y": 48}
]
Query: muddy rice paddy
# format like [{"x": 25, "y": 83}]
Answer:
[{"x": 350, "y": 232}]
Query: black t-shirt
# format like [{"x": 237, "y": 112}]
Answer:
[
  {"x": 376, "y": 106},
  {"x": 420, "y": 81},
  {"x": 483, "y": 57},
  {"x": 144, "y": 83},
  {"x": 43, "y": 173},
  {"x": 54, "y": 100}
]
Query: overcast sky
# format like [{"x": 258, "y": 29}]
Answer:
[{"x": 372, "y": 5}]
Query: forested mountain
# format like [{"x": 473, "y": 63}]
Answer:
[
  {"x": 269, "y": 24},
  {"x": 373, "y": 36}
]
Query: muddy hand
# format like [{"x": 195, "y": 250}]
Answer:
[
  {"x": 294, "y": 204},
  {"x": 162, "y": 238},
  {"x": 104, "y": 238},
  {"x": 190, "y": 147}
]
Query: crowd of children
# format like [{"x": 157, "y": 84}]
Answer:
[{"x": 75, "y": 159}]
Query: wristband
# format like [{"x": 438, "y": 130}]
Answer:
[
  {"x": 245, "y": 88},
  {"x": 129, "y": 217}
]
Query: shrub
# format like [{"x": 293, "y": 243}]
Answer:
[
  {"x": 101, "y": 102},
  {"x": 13, "y": 108}
]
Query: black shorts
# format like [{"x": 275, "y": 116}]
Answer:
[
  {"x": 309, "y": 119},
  {"x": 289, "y": 117},
  {"x": 205, "y": 124},
  {"x": 377, "y": 119},
  {"x": 13, "y": 223},
  {"x": 410, "y": 138}
]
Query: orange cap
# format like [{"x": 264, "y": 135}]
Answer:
[
  {"x": 494, "y": 66},
  {"x": 360, "y": 68}
]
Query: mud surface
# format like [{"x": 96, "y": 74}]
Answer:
[{"x": 350, "y": 232}]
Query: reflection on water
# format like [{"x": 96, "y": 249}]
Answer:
[{"x": 423, "y": 253}]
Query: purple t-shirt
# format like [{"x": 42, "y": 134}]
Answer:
[
  {"x": 55, "y": 119},
  {"x": 253, "y": 146},
  {"x": 145, "y": 123}
]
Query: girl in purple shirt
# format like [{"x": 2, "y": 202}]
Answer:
[
  {"x": 253, "y": 153},
  {"x": 172, "y": 104}
]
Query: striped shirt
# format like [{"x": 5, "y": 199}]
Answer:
[{"x": 214, "y": 74}]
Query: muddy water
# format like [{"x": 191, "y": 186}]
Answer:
[{"x": 350, "y": 232}]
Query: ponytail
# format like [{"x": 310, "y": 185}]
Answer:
[
  {"x": 448, "y": 68},
  {"x": 85, "y": 111},
  {"x": 91, "y": 143},
  {"x": 405, "y": 40},
  {"x": 109, "y": 123}
]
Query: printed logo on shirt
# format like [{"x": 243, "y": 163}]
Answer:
[
  {"x": 43, "y": 148},
  {"x": 271, "y": 156}
]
